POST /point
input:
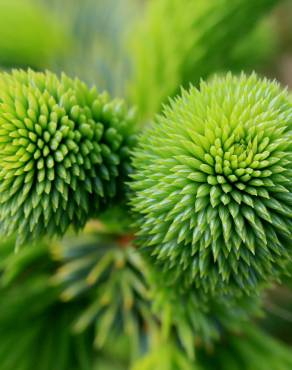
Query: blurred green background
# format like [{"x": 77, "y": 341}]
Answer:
[{"x": 93, "y": 39}]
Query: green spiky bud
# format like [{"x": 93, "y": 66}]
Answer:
[
  {"x": 213, "y": 184},
  {"x": 64, "y": 151}
]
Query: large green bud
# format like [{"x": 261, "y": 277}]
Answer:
[
  {"x": 64, "y": 153},
  {"x": 213, "y": 184}
]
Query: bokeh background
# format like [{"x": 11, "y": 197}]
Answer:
[{"x": 93, "y": 39}]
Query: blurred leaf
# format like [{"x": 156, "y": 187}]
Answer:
[
  {"x": 180, "y": 42},
  {"x": 35, "y": 328},
  {"x": 29, "y": 34},
  {"x": 166, "y": 356},
  {"x": 98, "y": 28},
  {"x": 248, "y": 349}
]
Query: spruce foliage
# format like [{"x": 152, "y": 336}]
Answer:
[
  {"x": 112, "y": 276},
  {"x": 183, "y": 229},
  {"x": 35, "y": 328},
  {"x": 249, "y": 349}
]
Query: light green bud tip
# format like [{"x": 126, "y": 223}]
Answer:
[
  {"x": 64, "y": 153},
  {"x": 213, "y": 184}
]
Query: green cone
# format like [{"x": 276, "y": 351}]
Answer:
[
  {"x": 213, "y": 184},
  {"x": 64, "y": 153}
]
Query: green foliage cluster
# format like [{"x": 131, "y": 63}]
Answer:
[
  {"x": 194, "y": 318},
  {"x": 34, "y": 324},
  {"x": 108, "y": 271},
  {"x": 248, "y": 350},
  {"x": 251, "y": 349},
  {"x": 165, "y": 356},
  {"x": 182, "y": 227}
]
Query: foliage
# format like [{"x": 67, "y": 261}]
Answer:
[
  {"x": 165, "y": 357},
  {"x": 112, "y": 275},
  {"x": 175, "y": 258},
  {"x": 64, "y": 153},
  {"x": 32, "y": 321},
  {"x": 126, "y": 296},
  {"x": 197, "y": 319},
  {"x": 248, "y": 350}
]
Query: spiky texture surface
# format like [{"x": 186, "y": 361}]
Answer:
[
  {"x": 64, "y": 152},
  {"x": 109, "y": 273},
  {"x": 181, "y": 45},
  {"x": 212, "y": 184},
  {"x": 247, "y": 350}
]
